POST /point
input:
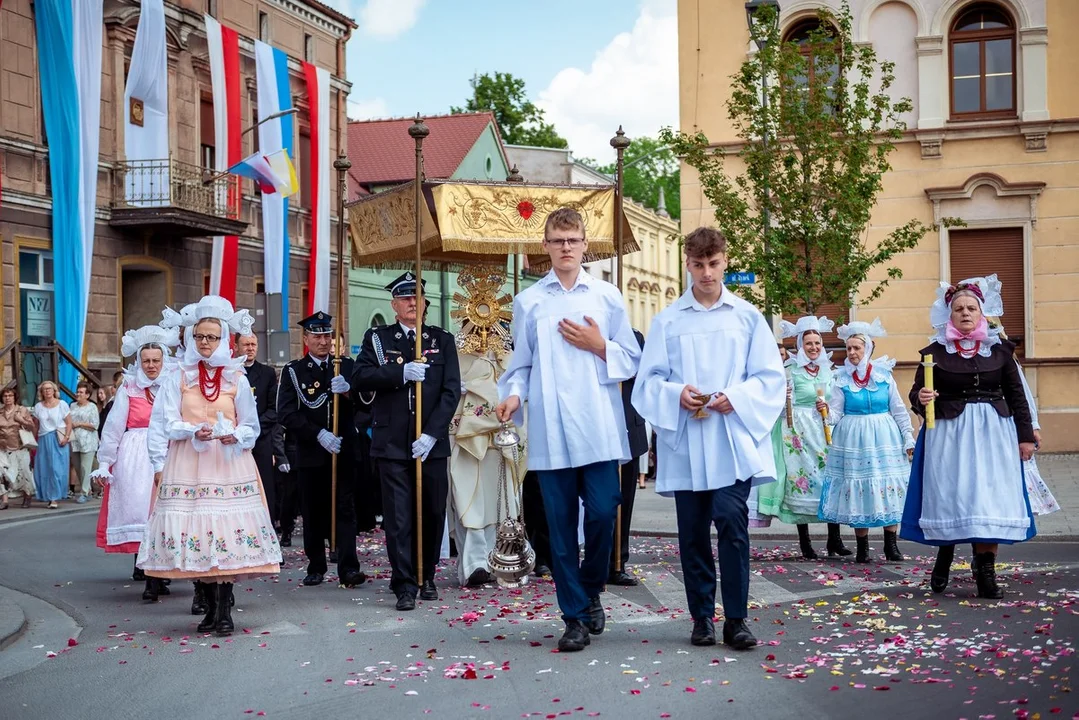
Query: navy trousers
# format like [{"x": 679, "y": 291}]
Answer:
[
  {"x": 576, "y": 582},
  {"x": 727, "y": 509}
]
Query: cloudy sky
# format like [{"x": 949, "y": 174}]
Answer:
[{"x": 590, "y": 64}]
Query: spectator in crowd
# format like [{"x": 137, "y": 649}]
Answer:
[
  {"x": 52, "y": 462},
  {"x": 84, "y": 422},
  {"x": 16, "y": 437}
]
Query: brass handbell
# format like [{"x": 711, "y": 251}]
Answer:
[{"x": 512, "y": 559}]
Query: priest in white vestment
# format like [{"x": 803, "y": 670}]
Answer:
[
  {"x": 712, "y": 352},
  {"x": 476, "y": 507}
]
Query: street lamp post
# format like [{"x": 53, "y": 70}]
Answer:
[{"x": 760, "y": 35}]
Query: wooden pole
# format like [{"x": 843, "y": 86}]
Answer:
[
  {"x": 619, "y": 142},
  {"x": 418, "y": 131},
  {"x": 341, "y": 165}
]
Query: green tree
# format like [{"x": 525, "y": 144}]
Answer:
[
  {"x": 651, "y": 165},
  {"x": 797, "y": 210},
  {"x": 519, "y": 120}
]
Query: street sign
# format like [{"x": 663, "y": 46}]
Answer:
[{"x": 740, "y": 278}]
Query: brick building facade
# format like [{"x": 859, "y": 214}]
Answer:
[{"x": 138, "y": 267}]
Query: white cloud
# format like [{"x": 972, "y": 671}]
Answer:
[
  {"x": 632, "y": 82},
  {"x": 387, "y": 19},
  {"x": 368, "y": 109}
]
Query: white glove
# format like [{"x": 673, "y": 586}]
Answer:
[
  {"x": 102, "y": 474},
  {"x": 464, "y": 387},
  {"x": 339, "y": 385},
  {"x": 284, "y": 467},
  {"x": 422, "y": 447},
  {"x": 328, "y": 440},
  {"x": 415, "y": 372}
]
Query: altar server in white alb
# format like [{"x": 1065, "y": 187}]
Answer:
[
  {"x": 714, "y": 351},
  {"x": 573, "y": 345}
]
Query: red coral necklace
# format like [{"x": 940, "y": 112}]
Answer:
[
  {"x": 209, "y": 382},
  {"x": 968, "y": 354},
  {"x": 862, "y": 381},
  {"x": 814, "y": 371}
]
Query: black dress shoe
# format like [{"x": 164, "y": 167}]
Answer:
[
  {"x": 575, "y": 638},
  {"x": 286, "y": 541},
  {"x": 938, "y": 579},
  {"x": 704, "y": 632},
  {"x": 151, "y": 592},
  {"x": 163, "y": 587},
  {"x": 478, "y": 578},
  {"x": 541, "y": 571},
  {"x": 138, "y": 575},
  {"x": 428, "y": 591},
  {"x": 352, "y": 579},
  {"x": 623, "y": 579},
  {"x": 199, "y": 604},
  {"x": 313, "y": 579},
  {"x": 597, "y": 618},
  {"x": 736, "y": 634},
  {"x": 406, "y": 601}
]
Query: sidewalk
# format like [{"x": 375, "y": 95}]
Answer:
[
  {"x": 654, "y": 515},
  {"x": 16, "y": 513}
]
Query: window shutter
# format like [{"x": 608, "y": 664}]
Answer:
[{"x": 976, "y": 253}]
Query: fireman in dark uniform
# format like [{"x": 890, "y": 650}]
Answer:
[
  {"x": 305, "y": 400},
  {"x": 387, "y": 367}
]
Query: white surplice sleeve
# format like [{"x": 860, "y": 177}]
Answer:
[
  {"x": 836, "y": 405},
  {"x": 622, "y": 349},
  {"x": 515, "y": 380},
  {"x": 760, "y": 398},
  {"x": 655, "y": 396},
  {"x": 166, "y": 422},
  {"x": 899, "y": 412},
  {"x": 1030, "y": 398},
  {"x": 113, "y": 432},
  {"x": 247, "y": 414}
]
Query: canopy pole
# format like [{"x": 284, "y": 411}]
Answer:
[
  {"x": 341, "y": 165},
  {"x": 619, "y": 142},
  {"x": 418, "y": 131}
]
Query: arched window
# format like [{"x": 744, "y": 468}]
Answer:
[
  {"x": 806, "y": 34},
  {"x": 377, "y": 320},
  {"x": 982, "y": 52}
]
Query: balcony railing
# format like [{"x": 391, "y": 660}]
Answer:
[{"x": 176, "y": 196}]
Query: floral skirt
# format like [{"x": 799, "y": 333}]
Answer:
[
  {"x": 210, "y": 518},
  {"x": 865, "y": 477}
]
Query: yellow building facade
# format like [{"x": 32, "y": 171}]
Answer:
[
  {"x": 654, "y": 274},
  {"x": 993, "y": 139}
]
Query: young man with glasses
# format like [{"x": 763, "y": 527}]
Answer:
[
  {"x": 573, "y": 345},
  {"x": 711, "y": 352}
]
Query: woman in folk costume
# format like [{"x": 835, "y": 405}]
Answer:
[
  {"x": 764, "y": 499},
  {"x": 209, "y": 522},
  {"x": 483, "y": 352},
  {"x": 864, "y": 482},
  {"x": 123, "y": 455},
  {"x": 967, "y": 484},
  {"x": 795, "y": 499}
]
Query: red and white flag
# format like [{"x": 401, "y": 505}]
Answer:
[
  {"x": 224, "y": 45},
  {"x": 318, "y": 275}
]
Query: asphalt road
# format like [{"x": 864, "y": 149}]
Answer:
[{"x": 837, "y": 641}]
